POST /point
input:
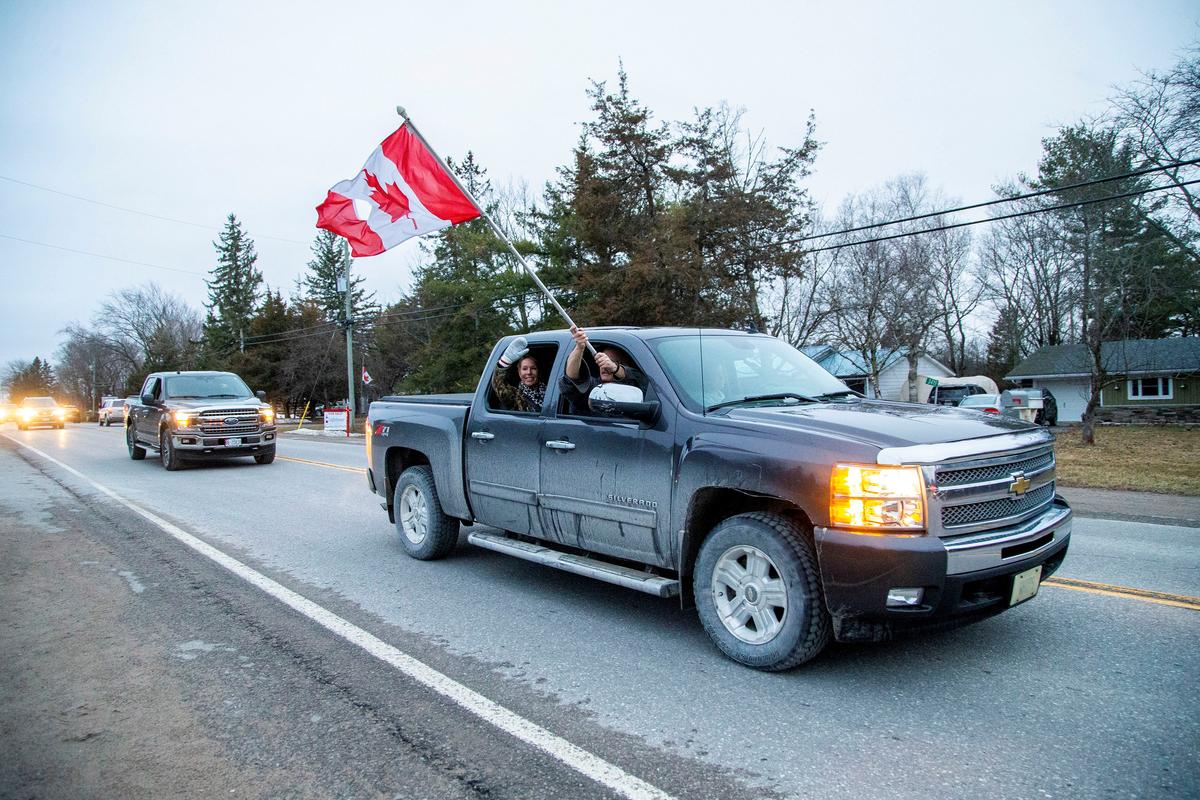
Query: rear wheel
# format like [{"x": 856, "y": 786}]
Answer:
[
  {"x": 135, "y": 452},
  {"x": 425, "y": 530},
  {"x": 167, "y": 452},
  {"x": 758, "y": 592}
]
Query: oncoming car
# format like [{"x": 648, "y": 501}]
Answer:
[{"x": 40, "y": 412}]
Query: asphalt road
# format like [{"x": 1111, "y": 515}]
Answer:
[{"x": 1083, "y": 692}]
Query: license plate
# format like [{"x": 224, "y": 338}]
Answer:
[
  {"x": 238, "y": 443},
  {"x": 1025, "y": 585}
]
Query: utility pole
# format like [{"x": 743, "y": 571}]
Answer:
[{"x": 345, "y": 287}]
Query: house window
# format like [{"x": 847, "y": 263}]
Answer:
[{"x": 1151, "y": 389}]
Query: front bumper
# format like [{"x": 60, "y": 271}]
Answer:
[
  {"x": 194, "y": 444},
  {"x": 964, "y": 578}
]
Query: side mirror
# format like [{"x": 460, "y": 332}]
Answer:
[
  {"x": 261, "y": 395},
  {"x": 622, "y": 400},
  {"x": 148, "y": 400}
]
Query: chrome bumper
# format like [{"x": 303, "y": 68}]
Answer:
[
  {"x": 194, "y": 441},
  {"x": 1003, "y": 546}
]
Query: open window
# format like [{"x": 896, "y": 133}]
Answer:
[
  {"x": 508, "y": 393},
  {"x": 575, "y": 403}
]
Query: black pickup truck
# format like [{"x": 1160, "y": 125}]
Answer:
[{"x": 739, "y": 473}]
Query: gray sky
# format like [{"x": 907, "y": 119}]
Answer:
[{"x": 195, "y": 110}]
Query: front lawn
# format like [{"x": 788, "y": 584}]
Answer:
[{"x": 1144, "y": 458}]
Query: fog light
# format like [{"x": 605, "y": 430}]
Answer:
[{"x": 904, "y": 598}]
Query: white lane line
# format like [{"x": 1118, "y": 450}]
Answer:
[{"x": 575, "y": 757}]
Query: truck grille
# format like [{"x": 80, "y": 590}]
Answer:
[
  {"x": 971, "y": 513},
  {"x": 994, "y": 472},
  {"x": 212, "y": 422}
]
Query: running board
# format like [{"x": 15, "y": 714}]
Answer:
[{"x": 580, "y": 565}]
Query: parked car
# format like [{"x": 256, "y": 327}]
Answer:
[
  {"x": 188, "y": 416},
  {"x": 40, "y": 412},
  {"x": 112, "y": 409},
  {"x": 953, "y": 395},
  {"x": 794, "y": 510}
]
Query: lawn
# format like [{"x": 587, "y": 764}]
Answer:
[{"x": 1144, "y": 458}]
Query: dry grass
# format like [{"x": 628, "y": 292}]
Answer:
[{"x": 1143, "y": 458}]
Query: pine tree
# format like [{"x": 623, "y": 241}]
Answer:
[
  {"x": 331, "y": 259},
  {"x": 233, "y": 291}
]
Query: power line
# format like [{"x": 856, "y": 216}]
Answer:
[
  {"x": 100, "y": 255},
  {"x": 1014, "y": 198},
  {"x": 1013, "y": 215},
  {"x": 135, "y": 211}
]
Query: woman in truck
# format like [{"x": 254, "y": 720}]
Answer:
[{"x": 529, "y": 392}]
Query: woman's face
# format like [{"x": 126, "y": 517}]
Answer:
[{"x": 527, "y": 371}]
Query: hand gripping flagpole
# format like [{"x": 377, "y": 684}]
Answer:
[{"x": 491, "y": 224}]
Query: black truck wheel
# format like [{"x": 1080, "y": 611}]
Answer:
[
  {"x": 265, "y": 457},
  {"x": 425, "y": 530},
  {"x": 135, "y": 452},
  {"x": 758, "y": 592},
  {"x": 167, "y": 452}
]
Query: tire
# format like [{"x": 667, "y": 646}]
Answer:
[
  {"x": 135, "y": 452},
  {"x": 167, "y": 453},
  {"x": 265, "y": 457},
  {"x": 425, "y": 531},
  {"x": 764, "y": 608}
]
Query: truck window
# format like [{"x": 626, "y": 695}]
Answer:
[
  {"x": 506, "y": 391},
  {"x": 574, "y": 404}
]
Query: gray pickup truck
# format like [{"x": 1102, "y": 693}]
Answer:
[
  {"x": 196, "y": 416},
  {"x": 738, "y": 473}
]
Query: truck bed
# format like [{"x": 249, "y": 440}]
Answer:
[{"x": 432, "y": 399}]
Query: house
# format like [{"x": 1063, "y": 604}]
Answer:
[
  {"x": 893, "y": 377},
  {"x": 1152, "y": 380}
]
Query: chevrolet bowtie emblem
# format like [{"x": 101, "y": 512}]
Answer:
[{"x": 1020, "y": 484}]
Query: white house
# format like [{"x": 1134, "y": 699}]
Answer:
[{"x": 893, "y": 377}]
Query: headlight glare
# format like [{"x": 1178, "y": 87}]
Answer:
[
  {"x": 184, "y": 418},
  {"x": 890, "y": 498}
]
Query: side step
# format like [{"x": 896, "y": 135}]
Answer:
[{"x": 580, "y": 565}]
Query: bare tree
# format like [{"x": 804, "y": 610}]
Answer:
[{"x": 146, "y": 328}]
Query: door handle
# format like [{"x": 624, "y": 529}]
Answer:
[
  {"x": 483, "y": 436},
  {"x": 559, "y": 444}
]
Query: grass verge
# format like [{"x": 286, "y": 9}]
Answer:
[{"x": 1143, "y": 458}]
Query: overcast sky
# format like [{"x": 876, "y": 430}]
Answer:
[{"x": 191, "y": 111}]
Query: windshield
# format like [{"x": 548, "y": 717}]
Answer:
[
  {"x": 202, "y": 387},
  {"x": 979, "y": 400},
  {"x": 38, "y": 402},
  {"x": 740, "y": 368}
]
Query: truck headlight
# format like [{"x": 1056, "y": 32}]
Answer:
[
  {"x": 267, "y": 415},
  {"x": 889, "y": 498},
  {"x": 184, "y": 419}
]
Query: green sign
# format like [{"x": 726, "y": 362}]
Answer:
[{"x": 931, "y": 381}]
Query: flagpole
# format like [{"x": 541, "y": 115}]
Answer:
[{"x": 487, "y": 218}]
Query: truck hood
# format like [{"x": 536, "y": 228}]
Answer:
[{"x": 884, "y": 424}]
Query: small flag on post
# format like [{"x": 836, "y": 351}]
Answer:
[
  {"x": 366, "y": 377},
  {"x": 409, "y": 191}
]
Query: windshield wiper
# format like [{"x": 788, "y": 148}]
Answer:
[
  {"x": 756, "y": 397},
  {"x": 219, "y": 396},
  {"x": 839, "y": 393}
]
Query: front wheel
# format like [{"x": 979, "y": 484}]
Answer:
[
  {"x": 758, "y": 592},
  {"x": 167, "y": 452},
  {"x": 136, "y": 452},
  {"x": 266, "y": 457},
  {"x": 425, "y": 531}
]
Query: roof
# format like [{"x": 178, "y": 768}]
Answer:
[{"x": 1178, "y": 354}]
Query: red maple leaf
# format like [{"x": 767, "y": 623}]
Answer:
[{"x": 389, "y": 198}]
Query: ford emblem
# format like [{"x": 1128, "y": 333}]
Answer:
[{"x": 232, "y": 421}]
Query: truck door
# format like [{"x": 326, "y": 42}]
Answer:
[
  {"x": 145, "y": 418},
  {"x": 502, "y": 452},
  {"x": 606, "y": 485}
]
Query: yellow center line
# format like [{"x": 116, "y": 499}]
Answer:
[
  {"x": 1127, "y": 592},
  {"x": 343, "y": 467}
]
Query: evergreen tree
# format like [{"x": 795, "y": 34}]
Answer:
[
  {"x": 233, "y": 291},
  {"x": 35, "y": 379},
  {"x": 331, "y": 259}
]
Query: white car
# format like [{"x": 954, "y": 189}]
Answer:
[{"x": 112, "y": 409}]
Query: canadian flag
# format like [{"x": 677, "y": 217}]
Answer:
[
  {"x": 366, "y": 377},
  {"x": 409, "y": 193}
]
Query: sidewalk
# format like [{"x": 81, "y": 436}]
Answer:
[{"x": 1160, "y": 509}]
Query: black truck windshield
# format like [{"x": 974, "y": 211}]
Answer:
[
  {"x": 206, "y": 387},
  {"x": 718, "y": 370}
]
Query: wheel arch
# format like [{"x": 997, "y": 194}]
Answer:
[
  {"x": 712, "y": 505},
  {"x": 396, "y": 460}
]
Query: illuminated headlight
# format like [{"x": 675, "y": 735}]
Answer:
[
  {"x": 60, "y": 413},
  {"x": 184, "y": 419},
  {"x": 26, "y": 414},
  {"x": 267, "y": 415},
  {"x": 889, "y": 498}
]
